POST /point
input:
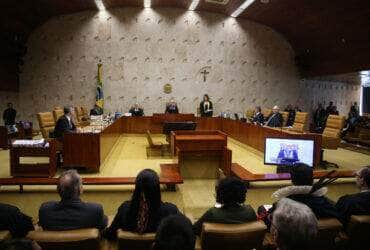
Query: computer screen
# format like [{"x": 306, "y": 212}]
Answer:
[{"x": 286, "y": 152}]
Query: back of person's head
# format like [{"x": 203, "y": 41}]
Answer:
[
  {"x": 67, "y": 110},
  {"x": 19, "y": 244},
  {"x": 175, "y": 233},
  {"x": 294, "y": 225},
  {"x": 231, "y": 191},
  {"x": 258, "y": 109},
  {"x": 9, "y": 104},
  {"x": 69, "y": 185},
  {"x": 364, "y": 177},
  {"x": 301, "y": 175},
  {"x": 206, "y": 97}
]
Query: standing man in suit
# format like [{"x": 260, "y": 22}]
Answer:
[
  {"x": 275, "y": 119},
  {"x": 171, "y": 107},
  {"x": 258, "y": 116},
  {"x": 9, "y": 118},
  {"x": 136, "y": 110},
  {"x": 71, "y": 213},
  {"x": 64, "y": 124},
  {"x": 206, "y": 107},
  {"x": 359, "y": 203}
]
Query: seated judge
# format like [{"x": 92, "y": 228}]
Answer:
[
  {"x": 171, "y": 107},
  {"x": 356, "y": 204},
  {"x": 275, "y": 119},
  {"x": 258, "y": 116},
  {"x": 206, "y": 107},
  {"x": 230, "y": 208},
  {"x": 14, "y": 221},
  {"x": 136, "y": 110},
  {"x": 96, "y": 110},
  {"x": 70, "y": 212},
  {"x": 143, "y": 213},
  {"x": 64, "y": 124}
]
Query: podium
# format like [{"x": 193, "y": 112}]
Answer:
[{"x": 201, "y": 154}]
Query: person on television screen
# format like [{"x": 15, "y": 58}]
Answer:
[{"x": 288, "y": 154}]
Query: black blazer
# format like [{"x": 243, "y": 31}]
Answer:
[
  {"x": 120, "y": 221},
  {"x": 13, "y": 220},
  {"x": 139, "y": 112},
  {"x": 63, "y": 126},
  {"x": 275, "y": 121},
  {"x": 9, "y": 116},
  {"x": 71, "y": 214},
  {"x": 348, "y": 205},
  {"x": 259, "y": 118},
  {"x": 202, "y": 111},
  {"x": 170, "y": 110}
]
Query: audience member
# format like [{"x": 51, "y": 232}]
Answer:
[
  {"x": 291, "y": 114},
  {"x": 206, "y": 107},
  {"x": 319, "y": 118},
  {"x": 145, "y": 210},
  {"x": 96, "y": 110},
  {"x": 9, "y": 118},
  {"x": 258, "y": 116},
  {"x": 71, "y": 213},
  {"x": 329, "y": 109},
  {"x": 353, "y": 118},
  {"x": 64, "y": 124},
  {"x": 230, "y": 208},
  {"x": 304, "y": 191},
  {"x": 175, "y": 233},
  {"x": 171, "y": 107},
  {"x": 356, "y": 203},
  {"x": 19, "y": 244},
  {"x": 294, "y": 225},
  {"x": 275, "y": 119},
  {"x": 136, "y": 110},
  {"x": 14, "y": 221}
]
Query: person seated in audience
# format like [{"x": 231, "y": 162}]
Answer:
[
  {"x": 71, "y": 213},
  {"x": 14, "y": 221},
  {"x": 19, "y": 244},
  {"x": 96, "y": 110},
  {"x": 9, "y": 118},
  {"x": 329, "y": 109},
  {"x": 306, "y": 192},
  {"x": 206, "y": 107},
  {"x": 275, "y": 119},
  {"x": 175, "y": 233},
  {"x": 171, "y": 107},
  {"x": 319, "y": 118},
  {"x": 258, "y": 116},
  {"x": 359, "y": 203},
  {"x": 291, "y": 114},
  {"x": 145, "y": 210},
  {"x": 335, "y": 111},
  {"x": 136, "y": 110},
  {"x": 230, "y": 208},
  {"x": 353, "y": 118},
  {"x": 294, "y": 226},
  {"x": 64, "y": 124}
]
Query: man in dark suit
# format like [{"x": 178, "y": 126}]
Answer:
[
  {"x": 71, "y": 213},
  {"x": 9, "y": 118},
  {"x": 275, "y": 119},
  {"x": 14, "y": 221},
  {"x": 136, "y": 110},
  {"x": 258, "y": 116},
  {"x": 171, "y": 107},
  {"x": 359, "y": 203},
  {"x": 64, "y": 124}
]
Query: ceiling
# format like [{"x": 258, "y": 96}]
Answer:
[{"x": 328, "y": 37}]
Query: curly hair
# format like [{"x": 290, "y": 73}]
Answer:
[
  {"x": 302, "y": 175},
  {"x": 231, "y": 191}
]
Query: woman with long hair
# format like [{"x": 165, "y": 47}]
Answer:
[{"x": 145, "y": 210}]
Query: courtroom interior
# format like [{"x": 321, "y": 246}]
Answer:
[{"x": 185, "y": 124}]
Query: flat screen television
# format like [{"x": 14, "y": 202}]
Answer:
[{"x": 287, "y": 152}]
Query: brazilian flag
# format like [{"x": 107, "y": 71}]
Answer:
[{"x": 99, "y": 87}]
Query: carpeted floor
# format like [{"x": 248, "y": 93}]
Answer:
[{"x": 193, "y": 197}]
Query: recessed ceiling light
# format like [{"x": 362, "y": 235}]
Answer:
[
  {"x": 242, "y": 7},
  {"x": 99, "y": 4},
  {"x": 194, "y": 4},
  {"x": 147, "y": 3}
]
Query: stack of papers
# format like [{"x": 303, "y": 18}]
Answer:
[{"x": 30, "y": 143}]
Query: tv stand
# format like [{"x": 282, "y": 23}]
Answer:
[{"x": 283, "y": 169}]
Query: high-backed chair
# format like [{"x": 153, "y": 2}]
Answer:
[
  {"x": 130, "y": 240},
  {"x": 285, "y": 117},
  {"x": 233, "y": 236},
  {"x": 358, "y": 231},
  {"x": 266, "y": 112},
  {"x": 154, "y": 148},
  {"x": 328, "y": 230},
  {"x": 331, "y": 136},
  {"x": 79, "y": 239},
  {"x": 46, "y": 123},
  {"x": 81, "y": 116},
  {"x": 57, "y": 113},
  {"x": 300, "y": 124},
  {"x": 249, "y": 113}
]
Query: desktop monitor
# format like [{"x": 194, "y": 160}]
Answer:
[{"x": 287, "y": 152}]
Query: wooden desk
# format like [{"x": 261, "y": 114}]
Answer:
[{"x": 161, "y": 118}]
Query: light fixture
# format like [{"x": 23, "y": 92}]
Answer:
[
  {"x": 99, "y": 4},
  {"x": 242, "y": 7},
  {"x": 194, "y": 4},
  {"x": 147, "y": 3}
]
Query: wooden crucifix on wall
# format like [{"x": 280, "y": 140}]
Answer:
[{"x": 204, "y": 73}]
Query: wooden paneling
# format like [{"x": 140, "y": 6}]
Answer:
[
  {"x": 108, "y": 138},
  {"x": 139, "y": 125},
  {"x": 227, "y": 9}
]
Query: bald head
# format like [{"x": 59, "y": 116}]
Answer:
[{"x": 69, "y": 186}]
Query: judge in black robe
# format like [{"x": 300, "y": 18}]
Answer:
[
  {"x": 96, "y": 110},
  {"x": 171, "y": 107},
  {"x": 64, "y": 124},
  {"x": 258, "y": 117},
  {"x": 136, "y": 110},
  {"x": 206, "y": 107},
  {"x": 275, "y": 119}
]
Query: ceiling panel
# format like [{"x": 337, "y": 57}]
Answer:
[{"x": 227, "y": 8}]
